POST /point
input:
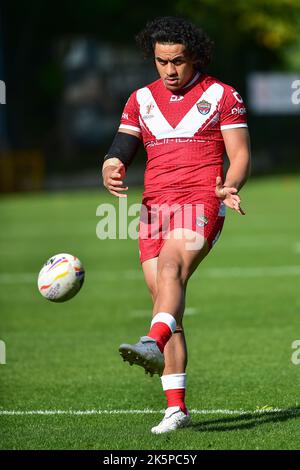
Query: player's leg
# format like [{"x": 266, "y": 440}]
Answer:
[
  {"x": 146, "y": 352},
  {"x": 175, "y": 355},
  {"x": 175, "y": 264},
  {"x": 174, "y": 267},
  {"x": 150, "y": 275},
  {"x": 178, "y": 258},
  {"x": 175, "y": 352}
]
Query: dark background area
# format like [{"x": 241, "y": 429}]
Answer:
[{"x": 69, "y": 67}]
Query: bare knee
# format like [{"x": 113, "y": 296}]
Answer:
[{"x": 170, "y": 271}]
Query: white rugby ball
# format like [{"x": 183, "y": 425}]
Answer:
[{"x": 61, "y": 277}]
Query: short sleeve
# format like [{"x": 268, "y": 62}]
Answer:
[
  {"x": 130, "y": 115},
  {"x": 233, "y": 112}
]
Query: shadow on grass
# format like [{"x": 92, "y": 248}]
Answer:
[{"x": 246, "y": 421}]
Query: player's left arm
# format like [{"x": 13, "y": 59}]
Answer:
[{"x": 237, "y": 145}]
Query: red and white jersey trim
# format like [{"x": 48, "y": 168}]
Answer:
[
  {"x": 233, "y": 126},
  {"x": 132, "y": 128},
  {"x": 182, "y": 133},
  {"x": 160, "y": 128},
  {"x": 197, "y": 75}
]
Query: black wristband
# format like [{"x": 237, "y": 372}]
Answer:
[{"x": 124, "y": 147}]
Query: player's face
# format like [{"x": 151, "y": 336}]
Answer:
[{"x": 173, "y": 66}]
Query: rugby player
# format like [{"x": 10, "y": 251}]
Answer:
[{"x": 186, "y": 121}]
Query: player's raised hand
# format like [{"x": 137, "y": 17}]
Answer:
[
  {"x": 229, "y": 196},
  {"x": 113, "y": 179}
]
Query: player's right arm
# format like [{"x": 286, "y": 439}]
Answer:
[
  {"x": 125, "y": 145},
  {"x": 113, "y": 174},
  {"x": 122, "y": 150}
]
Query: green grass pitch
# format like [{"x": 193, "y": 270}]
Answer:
[{"x": 243, "y": 314}]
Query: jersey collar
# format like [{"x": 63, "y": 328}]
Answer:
[{"x": 194, "y": 79}]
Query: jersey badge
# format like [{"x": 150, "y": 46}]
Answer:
[
  {"x": 148, "y": 114},
  {"x": 203, "y": 107},
  {"x": 149, "y": 108}
]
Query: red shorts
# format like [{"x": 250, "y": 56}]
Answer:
[{"x": 161, "y": 214}]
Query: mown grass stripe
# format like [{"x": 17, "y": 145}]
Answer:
[{"x": 134, "y": 275}]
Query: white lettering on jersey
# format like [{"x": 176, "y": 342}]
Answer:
[
  {"x": 238, "y": 111},
  {"x": 176, "y": 98},
  {"x": 237, "y": 96},
  {"x": 190, "y": 123},
  {"x": 156, "y": 143}
]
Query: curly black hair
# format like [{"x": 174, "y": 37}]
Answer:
[{"x": 174, "y": 30}]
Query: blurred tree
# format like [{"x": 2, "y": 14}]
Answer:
[
  {"x": 249, "y": 35},
  {"x": 31, "y": 31},
  {"x": 269, "y": 27},
  {"x": 291, "y": 52},
  {"x": 254, "y": 35}
]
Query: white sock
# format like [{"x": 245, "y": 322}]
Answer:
[
  {"x": 167, "y": 318},
  {"x": 173, "y": 381}
]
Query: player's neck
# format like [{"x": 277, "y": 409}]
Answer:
[{"x": 192, "y": 80}]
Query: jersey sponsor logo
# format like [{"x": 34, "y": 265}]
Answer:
[
  {"x": 237, "y": 96},
  {"x": 204, "y": 107},
  {"x": 156, "y": 143},
  {"x": 238, "y": 111},
  {"x": 176, "y": 98},
  {"x": 125, "y": 116}
]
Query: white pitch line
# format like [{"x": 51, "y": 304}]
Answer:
[
  {"x": 138, "y": 412},
  {"x": 137, "y": 275}
]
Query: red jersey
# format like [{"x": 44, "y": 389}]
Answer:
[{"x": 182, "y": 132}]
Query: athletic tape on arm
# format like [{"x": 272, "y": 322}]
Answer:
[{"x": 124, "y": 147}]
